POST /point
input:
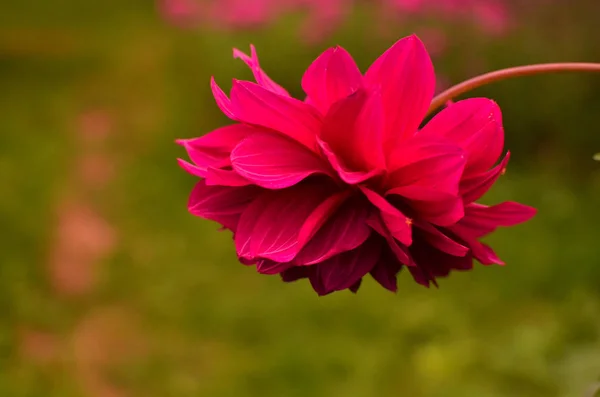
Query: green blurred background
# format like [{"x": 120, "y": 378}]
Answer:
[{"x": 109, "y": 288}]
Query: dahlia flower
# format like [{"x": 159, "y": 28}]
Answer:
[{"x": 346, "y": 182}]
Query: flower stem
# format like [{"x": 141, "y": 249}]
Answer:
[{"x": 504, "y": 74}]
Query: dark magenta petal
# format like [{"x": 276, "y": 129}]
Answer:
[
  {"x": 259, "y": 75},
  {"x": 331, "y": 77},
  {"x": 475, "y": 125},
  {"x": 386, "y": 270},
  {"x": 407, "y": 80},
  {"x": 269, "y": 227},
  {"x": 345, "y": 230},
  {"x": 476, "y": 186},
  {"x": 253, "y": 104},
  {"x": 432, "y": 263},
  {"x": 220, "y": 203},
  {"x": 441, "y": 241},
  {"x": 354, "y": 287},
  {"x": 320, "y": 215},
  {"x": 344, "y": 270},
  {"x": 295, "y": 273},
  {"x": 353, "y": 130},
  {"x": 274, "y": 161},
  {"x": 484, "y": 254},
  {"x": 396, "y": 222},
  {"x": 213, "y": 149},
  {"x": 400, "y": 251}
]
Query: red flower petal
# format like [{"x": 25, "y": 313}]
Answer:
[
  {"x": 320, "y": 215},
  {"x": 484, "y": 254},
  {"x": 399, "y": 250},
  {"x": 213, "y": 149},
  {"x": 274, "y": 161},
  {"x": 296, "y": 273},
  {"x": 192, "y": 169},
  {"x": 345, "y": 230},
  {"x": 353, "y": 130},
  {"x": 270, "y": 225},
  {"x": 481, "y": 220},
  {"x": 397, "y": 223},
  {"x": 331, "y": 77},
  {"x": 431, "y": 263},
  {"x": 407, "y": 80},
  {"x": 426, "y": 170},
  {"x": 474, "y": 187},
  {"x": 475, "y": 125},
  {"x": 219, "y": 203},
  {"x": 386, "y": 270},
  {"x": 266, "y": 266},
  {"x": 344, "y": 270},
  {"x": 253, "y": 104},
  {"x": 350, "y": 177},
  {"x": 260, "y": 76},
  {"x": 225, "y": 177},
  {"x": 222, "y": 100},
  {"x": 437, "y": 239},
  {"x": 440, "y": 213}
]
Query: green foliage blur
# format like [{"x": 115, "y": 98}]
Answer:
[{"x": 152, "y": 302}]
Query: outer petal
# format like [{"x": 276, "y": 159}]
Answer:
[
  {"x": 222, "y": 100},
  {"x": 253, "y": 104},
  {"x": 219, "y": 203},
  {"x": 406, "y": 76},
  {"x": 213, "y": 149},
  {"x": 484, "y": 253},
  {"x": 481, "y": 220},
  {"x": 269, "y": 227},
  {"x": 432, "y": 263},
  {"x": 474, "y": 187},
  {"x": 397, "y": 223},
  {"x": 331, "y": 77},
  {"x": 399, "y": 250},
  {"x": 296, "y": 273},
  {"x": 353, "y": 129},
  {"x": 192, "y": 169},
  {"x": 345, "y": 230},
  {"x": 386, "y": 270},
  {"x": 344, "y": 270},
  {"x": 225, "y": 177},
  {"x": 274, "y": 161},
  {"x": 475, "y": 125},
  {"x": 266, "y": 266},
  {"x": 260, "y": 76}
]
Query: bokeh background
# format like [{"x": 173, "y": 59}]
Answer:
[{"x": 109, "y": 288}]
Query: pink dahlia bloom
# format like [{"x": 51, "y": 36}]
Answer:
[{"x": 345, "y": 183}]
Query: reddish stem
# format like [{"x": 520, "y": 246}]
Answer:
[{"x": 504, "y": 74}]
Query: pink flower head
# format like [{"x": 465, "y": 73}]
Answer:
[{"x": 345, "y": 183}]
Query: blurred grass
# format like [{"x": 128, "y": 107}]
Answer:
[{"x": 211, "y": 327}]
